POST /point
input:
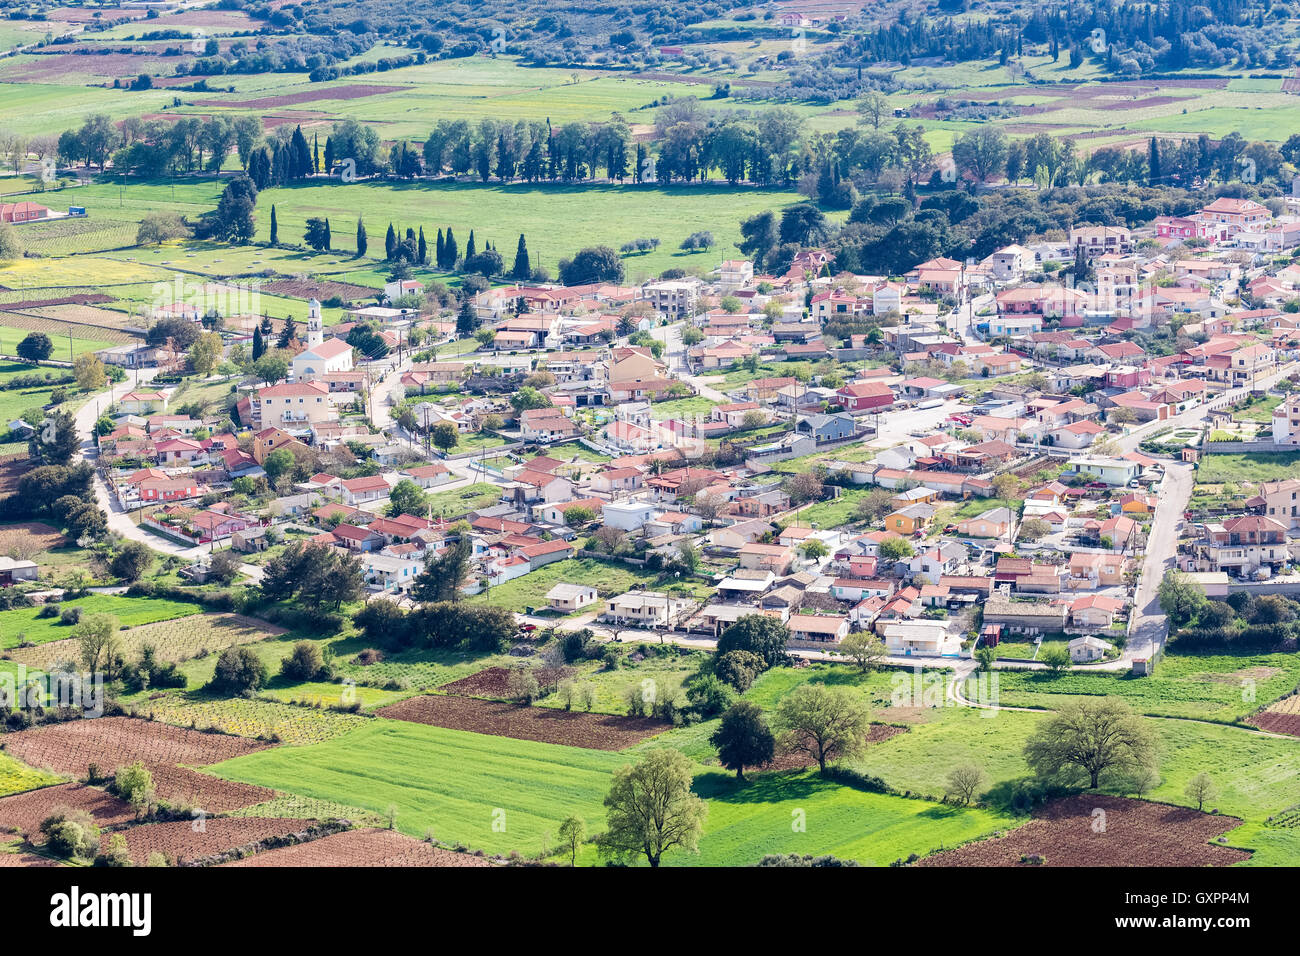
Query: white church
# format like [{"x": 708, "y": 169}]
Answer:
[{"x": 322, "y": 355}]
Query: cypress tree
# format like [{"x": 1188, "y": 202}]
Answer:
[
  {"x": 300, "y": 158},
  {"x": 327, "y": 234},
  {"x": 275, "y": 227},
  {"x": 361, "y": 238},
  {"x": 315, "y": 153},
  {"x": 522, "y": 269},
  {"x": 329, "y": 155},
  {"x": 259, "y": 344},
  {"x": 469, "y": 246},
  {"x": 422, "y": 248},
  {"x": 390, "y": 243},
  {"x": 452, "y": 249},
  {"x": 438, "y": 252}
]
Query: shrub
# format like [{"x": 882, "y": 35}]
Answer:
[
  {"x": 305, "y": 662},
  {"x": 116, "y": 853},
  {"x": 71, "y": 834},
  {"x": 134, "y": 784},
  {"x": 239, "y": 670}
]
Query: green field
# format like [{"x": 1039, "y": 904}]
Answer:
[
  {"x": 15, "y": 776},
  {"x": 1255, "y": 774},
  {"x": 589, "y": 214},
  {"x": 1251, "y": 466},
  {"x": 747, "y": 821},
  {"x": 1206, "y": 687},
  {"x": 65, "y": 349},
  {"x": 129, "y": 611},
  {"x": 609, "y": 577},
  {"x": 455, "y": 783},
  {"x": 461, "y": 501}
]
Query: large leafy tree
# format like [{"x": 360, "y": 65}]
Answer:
[
  {"x": 743, "y": 738},
  {"x": 1091, "y": 735},
  {"x": 650, "y": 808},
  {"x": 759, "y": 634},
  {"x": 827, "y": 723}
]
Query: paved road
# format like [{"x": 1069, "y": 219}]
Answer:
[{"x": 1150, "y": 626}]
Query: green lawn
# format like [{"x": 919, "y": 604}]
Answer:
[
  {"x": 1220, "y": 687},
  {"x": 493, "y": 793},
  {"x": 609, "y": 577},
  {"x": 1250, "y": 466},
  {"x": 129, "y": 611},
  {"x": 801, "y": 812},
  {"x": 461, "y": 501},
  {"x": 1256, "y": 775},
  {"x": 1258, "y": 408},
  {"x": 682, "y": 407}
]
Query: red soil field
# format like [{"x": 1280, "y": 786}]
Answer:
[
  {"x": 167, "y": 751},
  {"x": 24, "y": 812},
  {"x": 26, "y": 859},
  {"x": 313, "y": 289},
  {"x": 1066, "y": 832},
  {"x": 494, "y": 681},
  {"x": 181, "y": 840},
  {"x": 367, "y": 847},
  {"x": 499, "y": 719},
  {"x": 1277, "y": 723}
]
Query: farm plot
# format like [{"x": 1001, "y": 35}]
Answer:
[
  {"x": 88, "y": 315},
  {"x": 260, "y": 718},
  {"x": 1136, "y": 833},
  {"x": 494, "y": 682},
  {"x": 176, "y": 640},
  {"x": 542, "y": 724},
  {"x": 68, "y": 237},
  {"x": 454, "y": 782},
  {"x": 319, "y": 289},
  {"x": 16, "y": 777},
  {"x": 1204, "y": 686},
  {"x": 180, "y": 841},
  {"x": 750, "y": 820},
  {"x": 362, "y": 848},
  {"x": 28, "y": 538},
  {"x": 112, "y": 742},
  {"x": 24, "y": 812},
  {"x": 1281, "y": 717},
  {"x": 129, "y": 611},
  {"x": 14, "y": 327}
]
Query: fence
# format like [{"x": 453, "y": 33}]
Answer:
[{"x": 1239, "y": 447}]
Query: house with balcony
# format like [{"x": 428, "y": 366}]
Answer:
[
  {"x": 1244, "y": 546},
  {"x": 293, "y": 405}
]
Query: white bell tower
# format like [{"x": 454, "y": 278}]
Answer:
[{"x": 315, "y": 329}]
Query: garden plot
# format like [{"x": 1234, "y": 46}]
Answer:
[
  {"x": 176, "y": 640},
  {"x": 1135, "y": 833},
  {"x": 362, "y": 848}
]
